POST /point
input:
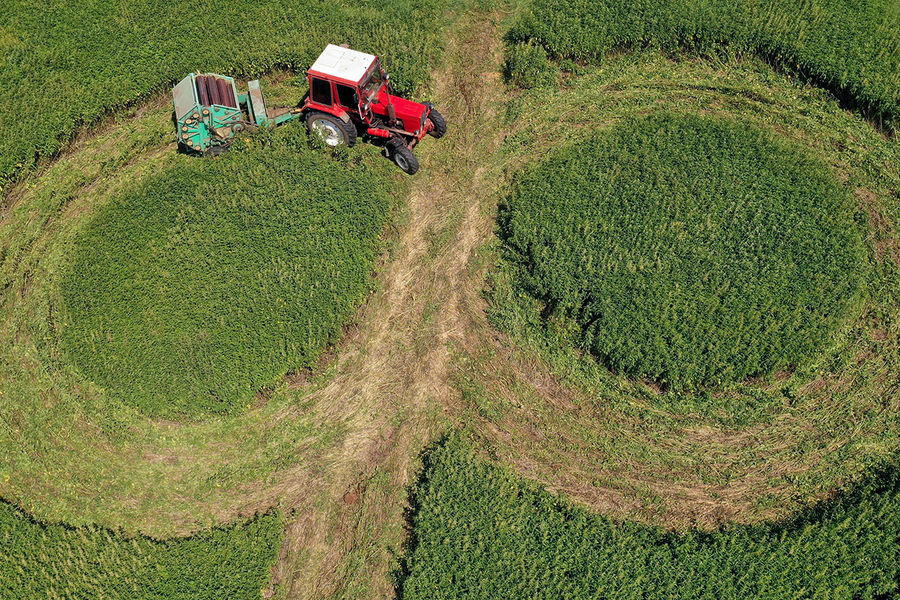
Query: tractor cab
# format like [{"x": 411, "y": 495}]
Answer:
[{"x": 349, "y": 95}]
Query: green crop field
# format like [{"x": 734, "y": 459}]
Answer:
[
  {"x": 207, "y": 282},
  {"x": 479, "y": 532},
  {"x": 56, "y": 562},
  {"x": 65, "y": 65},
  {"x": 850, "y": 47},
  {"x": 632, "y": 331},
  {"x": 689, "y": 250}
]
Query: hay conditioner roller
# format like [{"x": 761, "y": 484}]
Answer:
[{"x": 349, "y": 98}]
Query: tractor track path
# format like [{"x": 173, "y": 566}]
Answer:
[{"x": 394, "y": 381}]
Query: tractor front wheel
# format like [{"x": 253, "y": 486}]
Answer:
[
  {"x": 332, "y": 130},
  {"x": 439, "y": 123},
  {"x": 405, "y": 159}
]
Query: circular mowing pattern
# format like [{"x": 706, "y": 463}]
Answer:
[
  {"x": 211, "y": 280},
  {"x": 690, "y": 250}
]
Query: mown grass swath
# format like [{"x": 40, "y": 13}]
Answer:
[
  {"x": 481, "y": 533},
  {"x": 39, "y": 560},
  {"x": 65, "y": 64},
  {"x": 690, "y": 250},
  {"x": 208, "y": 281},
  {"x": 852, "y": 48}
]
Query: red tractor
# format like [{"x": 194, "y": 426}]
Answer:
[{"x": 348, "y": 97}]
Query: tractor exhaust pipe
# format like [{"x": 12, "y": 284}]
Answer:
[{"x": 391, "y": 111}]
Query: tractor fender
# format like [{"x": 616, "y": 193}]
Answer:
[{"x": 337, "y": 112}]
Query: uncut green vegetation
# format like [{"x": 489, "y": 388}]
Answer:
[
  {"x": 56, "y": 562},
  {"x": 690, "y": 250},
  {"x": 208, "y": 281},
  {"x": 851, "y": 47},
  {"x": 64, "y": 64},
  {"x": 480, "y": 532}
]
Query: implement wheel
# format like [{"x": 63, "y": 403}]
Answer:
[
  {"x": 332, "y": 130},
  {"x": 217, "y": 149}
]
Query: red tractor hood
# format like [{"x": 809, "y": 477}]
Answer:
[{"x": 413, "y": 114}]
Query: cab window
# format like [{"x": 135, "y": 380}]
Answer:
[
  {"x": 321, "y": 91},
  {"x": 346, "y": 96}
]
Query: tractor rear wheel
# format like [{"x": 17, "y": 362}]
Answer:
[
  {"x": 333, "y": 131},
  {"x": 405, "y": 159},
  {"x": 440, "y": 124}
]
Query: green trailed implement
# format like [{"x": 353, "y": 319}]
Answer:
[{"x": 209, "y": 112}]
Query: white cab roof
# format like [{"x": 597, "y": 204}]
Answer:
[{"x": 345, "y": 63}]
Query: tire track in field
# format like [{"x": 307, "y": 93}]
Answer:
[{"x": 394, "y": 382}]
